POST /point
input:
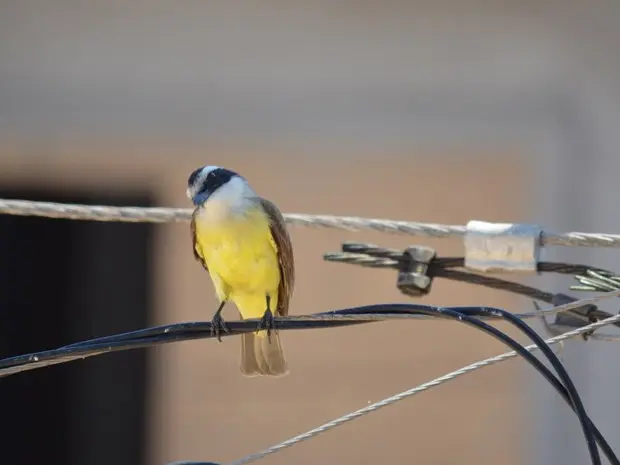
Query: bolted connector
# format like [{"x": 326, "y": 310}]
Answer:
[
  {"x": 575, "y": 318},
  {"x": 497, "y": 247},
  {"x": 414, "y": 280}
]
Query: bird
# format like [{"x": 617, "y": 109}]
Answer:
[{"x": 242, "y": 241}]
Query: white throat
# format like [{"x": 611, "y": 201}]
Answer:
[{"x": 231, "y": 199}]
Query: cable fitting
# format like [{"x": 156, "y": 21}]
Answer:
[
  {"x": 577, "y": 318},
  {"x": 413, "y": 279},
  {"x": 502, "y": 247}
]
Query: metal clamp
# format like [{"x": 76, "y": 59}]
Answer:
[
  {"x": 502, "y": 247},
  {"x": 575, "y": 318},
  {"x": 414, "y": 280}
]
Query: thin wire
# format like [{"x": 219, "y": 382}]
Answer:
[
  {"x": 405, "y": 394},
  {"x": 165, "y": 215},
  {"x": 597, "y": 280}
]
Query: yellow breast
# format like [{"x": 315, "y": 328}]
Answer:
[{"x": 240, "y": 250}]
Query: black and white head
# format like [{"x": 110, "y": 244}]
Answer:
[{"x": 210, "y": 182}]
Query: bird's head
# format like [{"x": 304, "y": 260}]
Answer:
[{"x": 209, "y": 181}]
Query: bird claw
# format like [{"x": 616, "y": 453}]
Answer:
[
  {"x": 217, "y": 325},
  {"x": 268, "y": 323}
]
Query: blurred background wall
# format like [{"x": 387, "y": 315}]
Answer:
[{"x": 429, "y": 111}]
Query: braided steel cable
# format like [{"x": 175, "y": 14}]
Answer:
[{"x": 166, "y": 215}]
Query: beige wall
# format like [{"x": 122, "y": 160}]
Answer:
[{"x": 212, "y": 413}]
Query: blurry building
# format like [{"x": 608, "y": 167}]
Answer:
[{"x": 426, "y": 111}]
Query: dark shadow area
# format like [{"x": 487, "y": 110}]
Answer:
[{"x": 64, "y": 281}]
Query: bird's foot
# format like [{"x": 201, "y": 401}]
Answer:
[
  {"x": 268, "y": 323},
  {"x": 217, "y": 325}
]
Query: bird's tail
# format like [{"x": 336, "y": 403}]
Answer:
[{"x": 259, "y": 357}]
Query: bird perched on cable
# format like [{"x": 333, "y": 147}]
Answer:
[{"x": 242, "y": 241}]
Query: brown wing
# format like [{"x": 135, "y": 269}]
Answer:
[
  {"x": 195, "y": 247},
  {"x": 285, "y": 255}
]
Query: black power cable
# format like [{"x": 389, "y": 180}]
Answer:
[{"x": 201, "y": 330}]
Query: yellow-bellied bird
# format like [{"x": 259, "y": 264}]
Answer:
[{"x": 242, "y": 241}]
